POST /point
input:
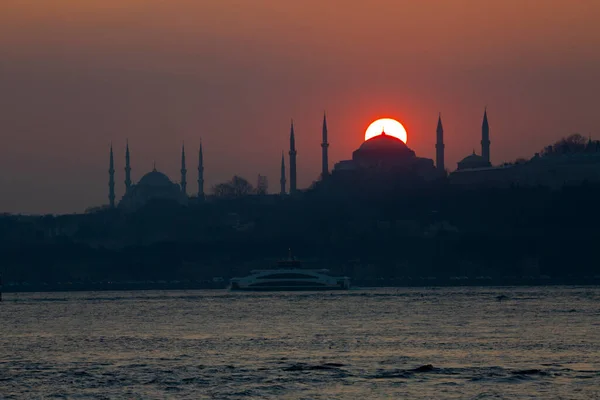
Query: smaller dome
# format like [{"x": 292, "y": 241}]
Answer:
[
  {"x": 155, "y": 178},
  {"x": 473, "y": 161},
  {"x": 473, "y": 158}
]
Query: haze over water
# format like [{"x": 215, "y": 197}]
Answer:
[{"x": 371, "y": 344}]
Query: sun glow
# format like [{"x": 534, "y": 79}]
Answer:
[{"x": 389, "y": 126}]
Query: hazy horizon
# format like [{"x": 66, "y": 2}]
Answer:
[{"x": 76, "y": 76}]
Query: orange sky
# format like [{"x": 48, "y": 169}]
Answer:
[{"x": 76, "y": 75}]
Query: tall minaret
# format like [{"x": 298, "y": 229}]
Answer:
[
  {"x": 485, "y": 137},
  {"x": 324, "y": 146},
  {"x": 439, "y": 146},
  {"x": 282, "y": 180},
  {"x": 127, "y": 169},
  {"x": 183, "y": 171},
  {"x": 200, "y": 174},
  {"x": 292, "y": 160},
  {"x": 111, "y": 179}
]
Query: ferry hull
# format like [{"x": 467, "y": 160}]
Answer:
[
  {"x": 289, "y": 278},
  {"x": 288, "y": 289}
]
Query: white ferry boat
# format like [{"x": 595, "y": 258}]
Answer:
[{"x": 290, "y": 276}]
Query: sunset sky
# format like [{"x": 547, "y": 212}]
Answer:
[{"x": 76, "y": 75}]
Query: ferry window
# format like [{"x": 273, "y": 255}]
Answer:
[
  {"x": 287, "y": 284},
  {"x": 287, "y": 276}
]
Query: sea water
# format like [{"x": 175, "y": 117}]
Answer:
[{"x": 433, "y": 343}]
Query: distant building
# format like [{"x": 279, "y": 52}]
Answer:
[
  {"x": 386, "y": 154},
  {"x": 381, "y": 161},
  {"x": 475, "y": 161},
  {"x": 553, "y": 169},
  {"x": 153, "y": 186}
]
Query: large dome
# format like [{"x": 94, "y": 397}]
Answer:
[
  {"x": 154, "y": 186},
  {"x": 386, "y": 154},
  {"x": 155, "y": 178},
  {"x": 383, "y": 151},
  {"x": 384, "y": 145}
]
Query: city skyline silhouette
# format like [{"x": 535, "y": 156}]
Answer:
[{"x": 77, "y": 77}]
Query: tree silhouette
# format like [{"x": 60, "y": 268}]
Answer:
[
  {"x": 574, "y": 143},
  {"x": 236, "y": 188},
  {"x": 262, "y": 185}
]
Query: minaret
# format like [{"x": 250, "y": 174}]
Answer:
[
  {"x": 292, "y": 160},
  {"x": 439, "y": 146},
  {"x": 200, "y": 174},
  {"x": 485, "y": 138},
  {"x": 282, "y": 180},
  {"x": 127, "y": 169},
  {"x": 183, "y": 171},
  {"x": 324, "y": 146},
  {"x": 111, "y": 179}
]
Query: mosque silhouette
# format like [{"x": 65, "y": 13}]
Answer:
[{"x": 381, "y": 155}]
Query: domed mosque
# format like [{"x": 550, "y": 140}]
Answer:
[
  {"x": 387, "y": 154},
  {"x": 474, "y": 161},
  {"x": 382, "y": 160},
  {"x": 153, "y": 186}
]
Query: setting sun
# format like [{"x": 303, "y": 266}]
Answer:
[{"x": 389, "y": 126}]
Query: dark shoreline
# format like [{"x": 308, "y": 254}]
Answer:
[{"x": 475, "y": 282}]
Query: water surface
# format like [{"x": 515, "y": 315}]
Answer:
[{"x": 460, "y": 343}]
